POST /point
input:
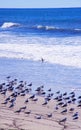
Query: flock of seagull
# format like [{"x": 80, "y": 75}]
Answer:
[{"x": 21, "y": 88}]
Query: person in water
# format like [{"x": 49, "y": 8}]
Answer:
[{"x": 42, "y": 60}]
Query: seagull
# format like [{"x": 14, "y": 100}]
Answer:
[
  {"x": 60, "y": 99},
  {"x": 43, "y": 93},
  {"x": 45, "y": 103},
  {"x": 56, "y": 108},
  {"x": 31, "y": 97},
  {"x": 38, "y": 117},
  {"x": 30, "y": 84},
  {"x": 64, "y": 111},
  {"x": 66, "y": 98},
  {"x": 79, "y": 101},
  {"x": 71, "y": 109},
  {"x": 72, "y": 96},
  {"x": 65, "y": 105},
  {"x": 56, "y": 98},
  {"x": 76, "y": 114},
  {"x": 12, "y": 105},
  {"x": 69, "y": 101},
  {"x": 3, "y": 84},
  {"x": 73, "y": 100},
  {"x": 4, "y": 92},
  {"x": 49, "y": 90},
  {"x": 72, "y": 92},
  {"x": 79, "y": 97},
  {"x": 47, "y": 99},
  {"x": 4, "y": 102},
  {"x": 79, "y": 105},
  {"x": 7, "y": 99},
  {"x": 18, "y": 111},
  {"x": 63, "y": 120},
  {"x": 23, "y": 94},
  {"x": 8, "y": 77},
  {"x": 35, "y": 99},
  {"x": 28, "y": 112},
  {"x": 49, "y": 115},
  {"x": 38, "y": 89},
  {"x": 64, "y": 94},
  {"x": 26, "y": 101},
  {"x": 75, "y": 118},
  {"x": 23, "y": 108},
  {"x": 58, "y": 92},
  {"x": 13, "y": 100},
  {"x": 21, "y": 81},
  {"x": 60, "y": 103}
]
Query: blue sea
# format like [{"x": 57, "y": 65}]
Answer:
[{"x": 27, "y": 35}]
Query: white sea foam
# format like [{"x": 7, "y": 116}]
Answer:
[
  {"x": 9, "y": 24},
  {"x": 50, "y": 28},
  {"x": 46, "y": 27},
  {"x": 68, "y": 54},
  {"x": 40, "y": 26}
]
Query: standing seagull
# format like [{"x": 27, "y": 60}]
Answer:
[
  {"x": 30, "y": 84},
  {"x": 49, "y": 115},
  {"x": 76, "y": 114},
  {"x": 23, "y": 108},
  {"x": 32, "y": 97},
  {"x": 63, "y": 120},
  {"x": 38, "y": 117},
  {"x": 28, "y": 112},
  {"x": 12, "y": 105},
  {"x": 75, "y": 118},
  {"x": 64, "y": 111},
  {"x": 18, "y": 111}
]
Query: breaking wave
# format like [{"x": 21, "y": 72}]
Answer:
[
  {"x": 9, "y": 25},
  {"x": 52, "y": 28}
]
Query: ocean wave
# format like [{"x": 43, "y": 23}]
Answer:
[
  {"x": 44, "y": 28},
  {"x": 53, "y": 28},
  {"x": 53, "y": 54},
  {"x": 9, "y": 25}
]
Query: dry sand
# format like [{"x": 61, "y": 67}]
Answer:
[{"x": 9, "y": 120}]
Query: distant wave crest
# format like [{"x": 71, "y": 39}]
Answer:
[
  {"x": 52, "y": 28},
  {"x": 45, "y": 27},
  {"x": 9, "y": 24}
]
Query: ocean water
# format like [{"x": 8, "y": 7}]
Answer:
[{"x": 27, "y": 35}]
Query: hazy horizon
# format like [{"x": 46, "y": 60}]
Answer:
[{"x": 40, "y": 4}]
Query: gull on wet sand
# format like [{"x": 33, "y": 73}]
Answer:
[
  {"x": 28, "y": 112},
  {"x": 64, "y": 111},
  {"x": 18, "y": 111},
  {"x": 38, "y": 117},
  {"x": 23, "y": 108},
  {"x": 49, "y": 115},
  {"x": 63, "y": 120}
]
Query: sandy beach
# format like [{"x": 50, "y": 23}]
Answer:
[{"x": 33, "y": 112}]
